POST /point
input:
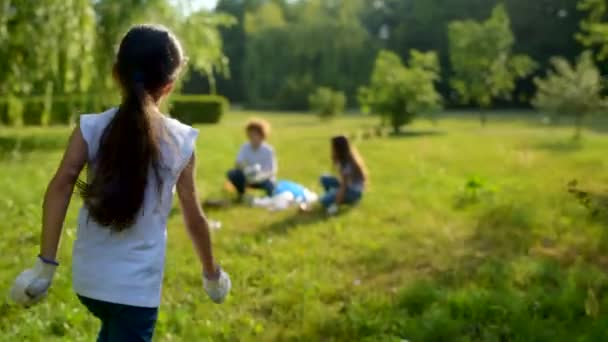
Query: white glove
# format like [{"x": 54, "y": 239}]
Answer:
[
  {"x": 33, "y": 284},
  {"x": 332, "y": 210},
  {"x": 217, "y": 289},
  {"x": 253, "y": 173}
]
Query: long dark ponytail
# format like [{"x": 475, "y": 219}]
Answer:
[
  {"x": 343, "y": 153},
  {"x": 148, "y": 60}
]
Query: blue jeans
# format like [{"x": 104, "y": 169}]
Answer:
[
  {"x": 238, "y": 179},
  {"x": 122, "y": 323},
  {"x": 331, "y": 185}
]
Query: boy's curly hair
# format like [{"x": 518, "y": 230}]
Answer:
[{"x": 260, "y": 126}]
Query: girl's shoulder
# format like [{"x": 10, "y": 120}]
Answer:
[
  {"x": 97, "y": 119},
  {"x": 177, "y": 128},
  {"x": 181, "y": 137},
  {"x": 93, "y": 125}
]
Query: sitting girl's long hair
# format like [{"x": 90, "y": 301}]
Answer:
[
  {"x": 344, "y": 153},
  {"x": 148, "y": 61}
]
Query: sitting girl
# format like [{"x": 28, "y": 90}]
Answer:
[{"x": 349, "y": 187}]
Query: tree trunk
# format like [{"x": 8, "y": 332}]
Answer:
[
  {"x": 396, "y": 129},
  {"x": 212, "y": 85},
  {"x": 483, "y": 117},
  {"x": 578, "y": 130}
]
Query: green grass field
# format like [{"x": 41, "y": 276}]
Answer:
[{"x": 466, "y": 234}]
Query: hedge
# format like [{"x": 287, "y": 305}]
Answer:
[
  {"x": 198, "y": 109},
  {"x": 63, "y": 110}
]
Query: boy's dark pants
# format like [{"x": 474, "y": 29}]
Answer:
[
  {"x": 238, "y": 179},
  {"x": 122, "y": 323}
]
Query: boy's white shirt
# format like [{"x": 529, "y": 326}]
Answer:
[
  {"x": 127, "y": 267},
  {"x": 264, "y": 156}
]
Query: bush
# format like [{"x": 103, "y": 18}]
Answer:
[
  {"x": 398, "y": 92},
  {"x": 199, "y": 109},
  {"x": 327, "y": 102}
]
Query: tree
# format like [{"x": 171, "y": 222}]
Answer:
[
  {"x": 595, "y": 27},
  {"x": 571, "y": 90},
  {"x": 420, "y": 24},
  {"x": 483, "y": 63},
  {"x": 289, "y": 54},
  {"x": 198, "y": 32},
  {"x": 54, "y": 53},
  {"x": 399, "y": 92},
  {"x": 45, "y": 49}
]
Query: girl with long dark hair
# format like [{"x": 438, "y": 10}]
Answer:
[
  {"x": 135, "y": 158},
  {"x": 348, "y": 188}
]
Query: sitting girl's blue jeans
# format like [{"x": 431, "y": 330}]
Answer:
[
  {"x": 122, "y": 323},
  {"x": 331, "y": 185}
]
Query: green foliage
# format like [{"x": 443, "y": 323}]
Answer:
[
  {"x": 572, "y": 90},
  {"x": 53, "y": 55},
  {"x": 482, "y": 60},
  {"x": 475, "y": 190},
  {"x": 45, "y": 46},
  {"x": 268, "y": 16},
  {"x": 199, "y": 109},
  {"x": 327, "y": 103},
  {"x": 595, "y": 27},
  {"x": 290, "y": 54},
  {"x": 399, "y": 93}
]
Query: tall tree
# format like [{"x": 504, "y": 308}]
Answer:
[
  {"x": 324, "y": 44},
  {"x": 234, "y": 39},
  {"x": 197, "y": 31},
  {"x": 595, "y": 27},
  {"x": 483, "y": 62},
  {"x": 420, "y": 24},
  {"x": 571, "y": 90}
]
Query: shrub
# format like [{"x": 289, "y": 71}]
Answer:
[
  {"x": 199, "y": 109},
  {"x": 398, "y": 92},
  {"x": 327, "y": 103}
]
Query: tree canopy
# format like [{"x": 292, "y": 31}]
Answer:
[
  {"x": 482, "y": 59},
  {"x": 67, "y": 47}
]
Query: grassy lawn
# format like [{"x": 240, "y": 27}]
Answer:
[{"x": 510, "y": 257}]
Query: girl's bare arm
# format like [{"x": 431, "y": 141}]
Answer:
[
  {"x": 195, "y": 219},
  {"x": 59, "y": 192}
]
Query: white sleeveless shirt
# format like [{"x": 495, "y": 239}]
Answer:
[{"x": 127, "y": 267}]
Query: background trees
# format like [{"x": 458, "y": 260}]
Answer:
[
  {"x": 334, "y": 43},
  {"x": 571, "y": 90},
  {"x": 595, "y": 27},
  {"x": 56, "y": 57},
  {"x": 275, "y": 53},
  {"x": 482, "y": 59}
]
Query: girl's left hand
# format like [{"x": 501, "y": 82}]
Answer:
[
  {"x": 217, "y": 288},
  {"x": 32, "y": 285}
]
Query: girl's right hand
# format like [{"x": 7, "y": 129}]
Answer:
[
  {"x": 32, "y": 285},
  {"x": 218, "y": 288}
]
